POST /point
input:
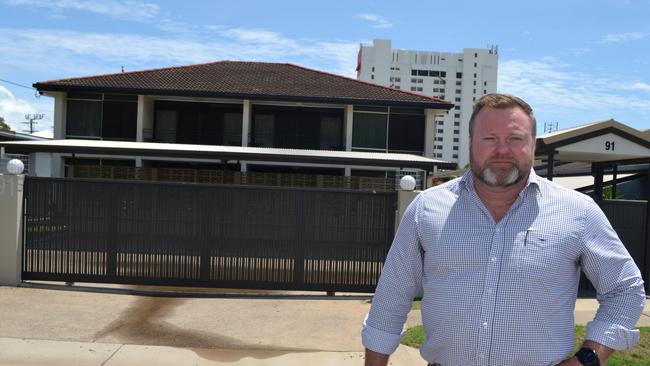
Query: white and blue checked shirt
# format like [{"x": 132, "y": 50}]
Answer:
[{"x": 504, "y": 293}]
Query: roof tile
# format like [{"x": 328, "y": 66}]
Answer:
[{"x": 254, "y": 80}]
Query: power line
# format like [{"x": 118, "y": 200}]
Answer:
[{"x": 16, "y": 84}]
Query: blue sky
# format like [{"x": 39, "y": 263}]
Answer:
[{"x": 575, "y": 61}]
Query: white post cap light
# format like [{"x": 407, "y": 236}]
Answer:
[
  {"x": 15, "y": 166},
  {"x": 407, "y": 183}
]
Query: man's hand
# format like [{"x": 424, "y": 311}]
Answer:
[{"x": 375, "y": 359}]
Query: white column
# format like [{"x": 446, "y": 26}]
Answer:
[
  {"x": 145, "y": 118},
  {"x": 60, "y": 107},
  {"x": 349, "y": 121},
  {"x": 144, "y": 123},
  {"x": 245, "y": 128},
  {"x": 11, "y": 201},
  {"x": 40, "y": 164},
  {"x": 429, "y": 131}
]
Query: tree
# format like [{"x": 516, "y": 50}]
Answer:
[{"x": 4, "y": 125}]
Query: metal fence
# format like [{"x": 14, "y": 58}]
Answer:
[{"x": 205, "y": 235}]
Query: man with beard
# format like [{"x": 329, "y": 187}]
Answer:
[{"x": 497, "y": 255}]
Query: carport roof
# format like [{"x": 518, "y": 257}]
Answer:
[
  {"x": 605, "y": 141},
  {"x": 152, "y": 149}
]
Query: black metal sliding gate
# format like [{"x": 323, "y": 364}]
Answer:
[{"x": 224, "y": 236}]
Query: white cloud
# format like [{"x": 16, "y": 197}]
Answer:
[
  {"x": 74, "y": 53},
  {"x": 379, "y": 22},
  {"x": 553, "y": 88},
  {"x": 125, "y": 9},
  {"x": 13, "y": 109},
  {"x": 624, "y": 37},
  {"x": 637, "y": 86}
]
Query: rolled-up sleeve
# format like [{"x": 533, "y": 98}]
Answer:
[
  {"x": 399, "y": 283},
  {"x": 617, "y": 280}
]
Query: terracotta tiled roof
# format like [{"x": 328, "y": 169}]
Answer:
[{"x": 247, "y": 80}]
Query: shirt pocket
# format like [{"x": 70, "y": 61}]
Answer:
[{"x": 543, "y": 256}]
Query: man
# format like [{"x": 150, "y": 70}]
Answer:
[{"x": 497, "y": 254}]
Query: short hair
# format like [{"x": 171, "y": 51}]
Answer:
[{"x": 502, "y": 101}]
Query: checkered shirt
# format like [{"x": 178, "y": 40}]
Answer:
[{"x": 504, "y": 293}]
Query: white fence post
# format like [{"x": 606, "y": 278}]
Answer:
[{"x": 11, "y": 215}]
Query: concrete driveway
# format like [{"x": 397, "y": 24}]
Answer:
[{"x": 269, "y": 323}]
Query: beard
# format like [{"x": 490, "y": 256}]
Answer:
[{"x": 495, "y": 179}]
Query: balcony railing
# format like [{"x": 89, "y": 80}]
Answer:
[{"x": 231, "y": 177}]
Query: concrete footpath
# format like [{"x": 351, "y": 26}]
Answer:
[{"x": 134, "y": 326}]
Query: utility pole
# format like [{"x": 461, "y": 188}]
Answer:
[{"x": 32, "y": 121}]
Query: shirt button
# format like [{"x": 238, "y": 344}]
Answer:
[
  {"x": 485, "y": 324},
  {"x": 492, "y": 259}
]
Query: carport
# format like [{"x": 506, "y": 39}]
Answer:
[{"x": 608, "y": 146}]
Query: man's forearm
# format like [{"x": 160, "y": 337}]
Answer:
[{"x": 375, "y": 359}]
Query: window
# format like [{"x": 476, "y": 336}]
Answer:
[
  {"x": 412, "y": 88},
  {"x": 423, "y": 73},
  {"x": 474, "y": 91},
  {"x": 406, "y": 130},
  {"x": 443, "y": 73},
  {"x": 456, "y": 123},
  {"x": 475, "y": 64},
  {"x": 443, "y": 82},
  {"x": 373, "y": 69},
  {"x": 457, "y": 99},
  {"x": 475, "y": 54},
  {"x": 458, "y": 82},
  {"x": 84, "y": 118},
  {"x": 455, "y": 139},
  {"x": 414, "y": 72},
  {"x": 201, "y": 123},
  {"x": 436, "y": 81},
  {"x": 440, "y": 123},
  {"x": 456, "y": 132},
  {"x": 438, "y": 155},
  {"x": 457, "y": 91},
  {"x": 439, "y": 139},
  {"x": 102, "y": 116},
  {"x": 485, "y": 83},
  {"x": 434, "y": 73},
  {"x": 457, "y": 107},
  {"x": 455, "y": 148},
  {"x": 474, "y": 82},
  {"x": 372, "y": 77},
  {"x": 369, "y": 130},
  {"x": 457, "y": 115},
  {"x": 459, "y": 75},
  {"x": 455, "y": 156},
  {"x": 484, "y": 91},
  {"x": 475, "y": 75},
  {"x": 442, "y": 90}
]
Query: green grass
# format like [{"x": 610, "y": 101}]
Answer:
[{"x": 637, "y": 356}]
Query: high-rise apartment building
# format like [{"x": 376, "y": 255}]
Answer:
[{"x": 460, "y": 78}]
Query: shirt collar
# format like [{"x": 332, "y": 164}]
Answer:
[{"x": 467, "y": 181}]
